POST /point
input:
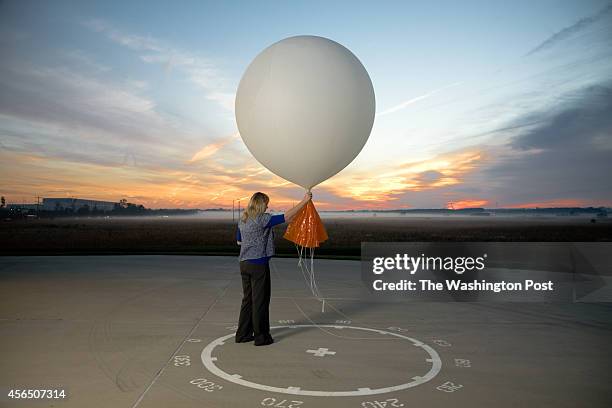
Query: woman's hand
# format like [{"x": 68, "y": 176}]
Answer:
[{"x": 292, "y": 212}]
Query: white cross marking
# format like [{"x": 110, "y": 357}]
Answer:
[{"x": 321, "y": 352}]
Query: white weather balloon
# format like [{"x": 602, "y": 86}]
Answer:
[{"x": 305, "y": 108}]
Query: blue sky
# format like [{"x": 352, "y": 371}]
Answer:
[{"x": 476, "y": 101}]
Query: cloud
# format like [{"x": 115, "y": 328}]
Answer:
[
  {"x": 84, "y": 60},
  {"x": 390, "y": 181},
  {"x": 558, "y": 154},
  {"x": 487, "y": 111},
  {"x": 430, "y": 176},
  {"x": 568, "y": 32},
  {"x": 210, "y": 185},
  {"x": 457, "y": 205},
  {"x": 201, "y": 71},
  {"x": 224, "y": 99},
  {"x": 210, "y": 149},
  {"x": 561, "y": 158},
  {"x": 131, "y": 41},
  {"x": 57, "y": 112},
  {"x": 565, "y": 158},
  {"x": 62, "y": 96}
]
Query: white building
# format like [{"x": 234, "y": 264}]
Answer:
[{"x": 61, "y": 204}]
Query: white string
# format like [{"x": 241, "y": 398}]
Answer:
[{"x": 309, "y": 274}]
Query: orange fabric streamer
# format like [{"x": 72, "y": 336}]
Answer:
[{"x": 306, "y": 228}]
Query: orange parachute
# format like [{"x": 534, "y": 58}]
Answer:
[{"x": 306, "y": 228}]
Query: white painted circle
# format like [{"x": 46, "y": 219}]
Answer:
[{"x": 434, "y": 359}]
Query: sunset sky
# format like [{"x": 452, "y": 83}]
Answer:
[{"x": 479, "y": 103}]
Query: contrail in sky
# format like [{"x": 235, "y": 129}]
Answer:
[{"x": 415, "y": 99}]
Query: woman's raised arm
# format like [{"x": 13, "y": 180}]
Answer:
[{"x": 292, "y": 212}]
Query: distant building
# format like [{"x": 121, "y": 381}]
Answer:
[
  {"x": 21, "y": 206},
  {"x": 74, "y": 204}
]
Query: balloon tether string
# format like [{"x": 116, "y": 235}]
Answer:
[{"x": 306, "y": 270}]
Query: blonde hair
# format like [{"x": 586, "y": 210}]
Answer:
[{"x": 257, "y": 205}]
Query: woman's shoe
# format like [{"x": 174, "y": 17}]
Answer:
[
  {"x": 245, "y": 339},
  {"x": 264, "y": 340}
]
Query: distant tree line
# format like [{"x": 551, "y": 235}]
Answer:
[{"x": 122, "y": 208}]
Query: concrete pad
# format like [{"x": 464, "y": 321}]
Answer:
[{"x": 157, "y": 331}]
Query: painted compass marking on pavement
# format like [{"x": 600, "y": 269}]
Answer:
[
  {"x": 431, "y": 357},
  {"x": 321, "y": 352}
]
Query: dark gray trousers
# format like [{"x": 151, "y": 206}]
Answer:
[{"x": 254, "y": 311}]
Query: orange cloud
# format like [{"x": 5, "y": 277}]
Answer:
[
  {"x": 392, "y": 180},
  {"x": 457, "y": 205},
  {"x": 209, "y": 150},
  {"x": 209, "y": 185}
]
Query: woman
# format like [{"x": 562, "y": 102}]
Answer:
[{"x": 256, "y": 240}]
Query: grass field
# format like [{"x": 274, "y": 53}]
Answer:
[{"x": 193, "y": 235}]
